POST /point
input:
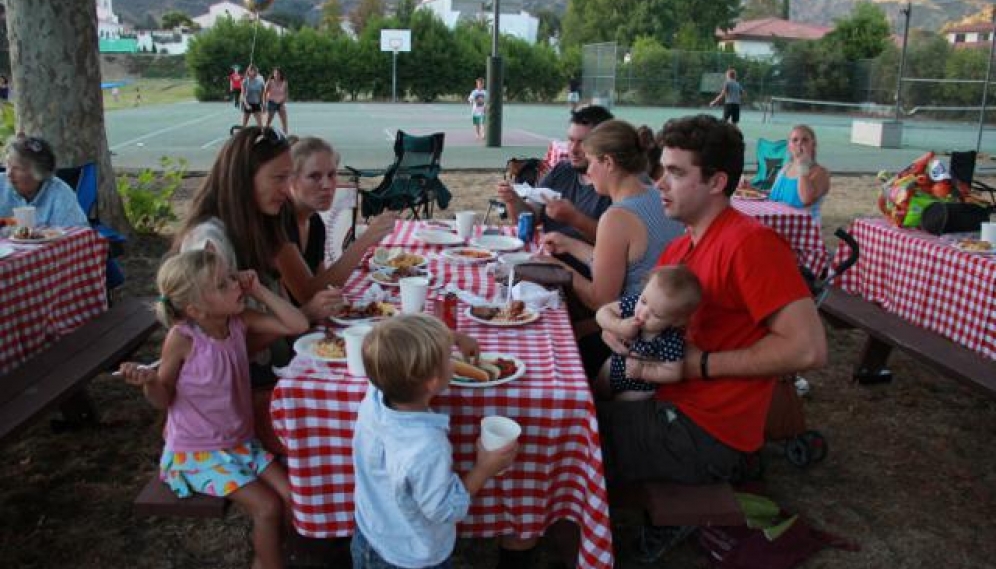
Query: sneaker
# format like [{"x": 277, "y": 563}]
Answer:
[
  {"x": 801, "y": 386},
  {"x": 655, "y": 541}
]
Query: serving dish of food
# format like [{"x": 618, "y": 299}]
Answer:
[
  {"x": 492, "y": 369},
  {"x": 349, "y": 314},
  {"x": 468, "y": 255},
  {"x": 514, "y": 313},
  {"x": 323, "y": 346}
]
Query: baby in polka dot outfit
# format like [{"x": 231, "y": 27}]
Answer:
[{"x": 653, "y": 322}]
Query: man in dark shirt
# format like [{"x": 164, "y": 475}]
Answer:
[{"x": 576, "y": 213}]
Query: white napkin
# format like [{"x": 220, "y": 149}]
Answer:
[
  {"x": 536, "y": 296},
  {"x": 538, "y": 195},
  {"x": 466, "y": 296},
  {"x": 374, "y": 294}
]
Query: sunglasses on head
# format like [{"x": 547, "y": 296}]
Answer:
[
  {"x": 33, "y": 144},
  {"x": 270, "y": 135}
]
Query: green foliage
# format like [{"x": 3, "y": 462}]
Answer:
[
  {"x": 864, "y": 35},
  {"x": 330, "y": 20},
  {"x": 147, "y": 197},
  {"x": 8, "y": 121},
  {"x": 549, "y": 25},
  {"x": 758, "y": 9},
  {"x": 175, "y": 18},
  {"x": 365, "y": 13},
  {"x": 593, "y": 21}
]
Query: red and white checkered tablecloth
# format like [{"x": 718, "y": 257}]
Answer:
[
  {"x": 925, "y": 280},
  {"x": 47, "y": 290},
  {"x": 555, "y": 153},
  {"x": 558, "y": 472},
  {"x": 797, "y": 227}
]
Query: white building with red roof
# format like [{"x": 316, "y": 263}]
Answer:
[
  {"x": 756, "y": 38},
  {"x": 969, "y": 35}
]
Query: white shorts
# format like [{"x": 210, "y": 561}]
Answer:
[{"x": 573, "y": 97}]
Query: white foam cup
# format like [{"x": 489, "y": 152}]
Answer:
[
  {"x": 413, "y": 293},
  {"x": 497, "y": 432},
  {"x": 988, "y": 233},
  {"x": 353, "y": 337},
  {"x": 25, "y": 216},
  {"x": 465, "y": 223}
]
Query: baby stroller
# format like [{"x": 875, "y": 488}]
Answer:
[{"x": 786, "y": 421}]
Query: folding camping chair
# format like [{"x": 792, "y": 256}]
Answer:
[
  {"x": 962, "y": 169},
  {"x": 84, "y": 180},
  {"x": 411, "y": 183},
  {"x": 771, "y": 156}
]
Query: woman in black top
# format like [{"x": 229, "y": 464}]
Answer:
[{"x": 313, "y": 186}]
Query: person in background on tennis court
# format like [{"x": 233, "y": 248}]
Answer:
[
  {"x": 802, "y": 183},
  {"x": 731, "y": 95},
  {"x": 252, "y": 96},
  {"x": 275, "y": 94},
  {"x": 478, "y": 100},
  {"x": 235, "y": 86},
  {"x": 574, "y": 93}
]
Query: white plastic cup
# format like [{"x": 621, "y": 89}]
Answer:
[
  {"x": 497, "y": 431},
  {"x": 25, "y": 216},
  {"x": 988, "y": 233},
  {"x": 465, "y": 223},
  {"x": 353, "y": 337},
  {"x": 413, "y": 293}
]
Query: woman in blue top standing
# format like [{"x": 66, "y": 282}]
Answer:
[
  {"x": 30, "y": 180},
  {"x": 802, "y": 183}
]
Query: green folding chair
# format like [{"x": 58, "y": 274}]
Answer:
[
  {"x": 771, "y": 156},
  {"x": 411, "y": 184}
]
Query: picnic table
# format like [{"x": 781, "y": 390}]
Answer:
[
  {"x": 795, "y": 225},
  {"x": 47, "y": 290},
  {"x": 557, "y": 475},
  {"x": 926, "y": 281}
]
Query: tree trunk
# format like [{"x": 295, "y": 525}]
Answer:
[{"x": 55, "y": 72}]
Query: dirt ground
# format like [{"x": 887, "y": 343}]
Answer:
[{"x": 908, "y": 475}]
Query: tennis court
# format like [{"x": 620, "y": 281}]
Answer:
[{"x": 364, "y": 132}]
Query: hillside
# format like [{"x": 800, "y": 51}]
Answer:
[
  {"x": 926, "y": 14},
  {"x": 137, "y": 12}
]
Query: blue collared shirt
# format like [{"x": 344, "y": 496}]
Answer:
[
  {"x": 408, "y": 498},
  {"x": 55, "y": 203}
]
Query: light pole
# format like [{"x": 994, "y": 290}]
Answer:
[
  {"x": 902, "y": 60},
  {"x": 494, "y": 85},
  {"x": 989, "y": 75}
]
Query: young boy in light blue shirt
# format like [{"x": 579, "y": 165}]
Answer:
[{"x": 408, "y": 498}]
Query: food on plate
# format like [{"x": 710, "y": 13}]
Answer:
[
  {"x": 975, "y": 245},
  {"x": 486, "y": 369},
  {"x": 5, "y": 221},
  {"x": 29, "y": 233},
  {"x": 393, "y": 277},
  {"x": 331, "y": 347},
  {"x": 404, "y": 261},
  {"x": 364, "y": 311},
  {"x": 514, "y": 311},
  {"x": 471, "y": 253},
  {"x": 749, "y": 194},
  {"x": 438, "y": 224}
]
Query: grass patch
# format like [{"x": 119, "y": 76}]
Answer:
[{"x": 150, "y": 92}]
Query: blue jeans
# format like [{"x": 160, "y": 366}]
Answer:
[{"x": 364, "y": 556}]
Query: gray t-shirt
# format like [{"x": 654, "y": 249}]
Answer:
[
  {"x": 253, "y": 89},
  {"x": 566, "y": 180},
  {"x": 733, "y": 92}
]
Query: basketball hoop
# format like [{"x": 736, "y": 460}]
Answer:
[{"x": 395, "y": 44}]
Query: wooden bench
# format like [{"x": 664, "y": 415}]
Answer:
[
  {"x": 156, "y": 499},
  {"x": 671, "y": 504},
  {"x": 887, "y": 331},
  {"x": 59, "y": 374}
]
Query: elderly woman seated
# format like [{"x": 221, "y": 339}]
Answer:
[{"x": 30, "y": 180}]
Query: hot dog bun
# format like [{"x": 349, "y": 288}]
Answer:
[{"x": 464, "y": 369}]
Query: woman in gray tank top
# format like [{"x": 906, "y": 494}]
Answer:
[{"x": 631, "y": 234}]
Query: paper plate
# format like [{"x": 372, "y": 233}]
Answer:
[
  {"x": 967, "y": 248},
  {"x": 438, "y": 237},
  {"x": 412, "y": 259},
  {"x": 497, "y": 243},
  {"x": 528, "y": 318},
  {"x": 516, "y": 258},
  {"x": 306, "y": 346},
  {"x": 752, "y": 196},
  {"x": 468, "y": 255},
  {"x": 45, "y": 235},
  {"x": 385, "y": 277},
  {"x": 443, "y": 224},
  {"x": 6, "y": 250},
  {"x": 520, "y": 370}
]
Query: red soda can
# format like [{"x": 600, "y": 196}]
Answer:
[{"x": 448, "y": 310}]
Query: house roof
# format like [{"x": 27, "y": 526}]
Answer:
[
  {"x": 968, "y": 28},
  {"x": 772, "y": 28}
]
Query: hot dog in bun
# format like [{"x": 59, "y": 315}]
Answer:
[{"x": 483, "y": 371}]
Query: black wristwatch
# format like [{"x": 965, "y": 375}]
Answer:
[{"x": 704, "y": 365}]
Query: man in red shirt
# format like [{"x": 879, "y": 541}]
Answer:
[{"x": 756, "y": 322}]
